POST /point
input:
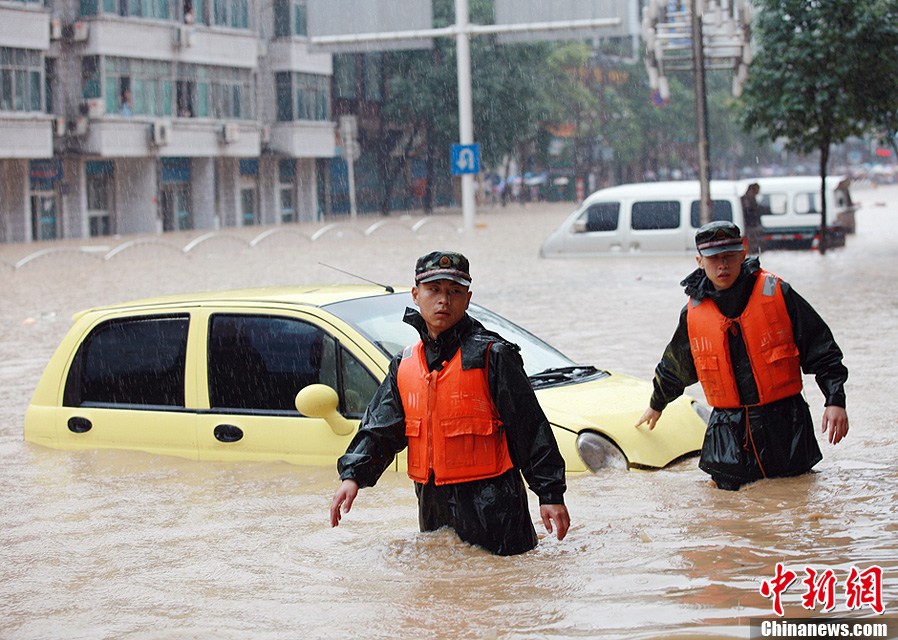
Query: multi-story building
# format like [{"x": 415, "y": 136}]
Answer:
[{"x": 141, "y": 116}]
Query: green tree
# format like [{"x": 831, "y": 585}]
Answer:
[{"x": 819, "y": 74}]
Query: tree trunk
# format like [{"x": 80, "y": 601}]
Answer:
[
  {"x": 429, "y": 167},
  {"x": 824, "y": 161}
]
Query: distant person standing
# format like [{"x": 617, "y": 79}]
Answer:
[
  {"x": 751, "y": 212},
  {"x": 747, "y": 336},
  {"x": 125, "y": 108}
]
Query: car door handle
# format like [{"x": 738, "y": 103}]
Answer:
[
  {"x": 228, "y": 433},
  {"x": 79, "y": 425}
]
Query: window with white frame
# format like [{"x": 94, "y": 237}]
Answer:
[
  {"x": 290, "y": 18},
  {"x": 21, "y": 80},
  {"x": 129, "y": 86},
  {"x": 302, "y": 96},
  {"x": 205, "y": 91}
]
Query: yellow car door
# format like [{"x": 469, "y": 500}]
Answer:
[
  {"x": 255, "y": 363},
  {"x": 125, "y": 387}
]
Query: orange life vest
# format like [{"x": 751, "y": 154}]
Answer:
[
  {"x": 767, "y": 332},
  {"x": 452, "y": 424}
]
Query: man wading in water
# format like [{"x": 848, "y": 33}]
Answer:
[
  {"x": 459, "y": 399},
  {"x": 747, "y": 336}
]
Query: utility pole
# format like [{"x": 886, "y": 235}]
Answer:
[
  {"x": 701, "y": 116},
  {"x": 694, "y": 35}
]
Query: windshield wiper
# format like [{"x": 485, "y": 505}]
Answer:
[{"x": 563, "y": 373}]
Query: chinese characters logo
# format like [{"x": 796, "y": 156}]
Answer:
[{"x": 861, "y": 588}]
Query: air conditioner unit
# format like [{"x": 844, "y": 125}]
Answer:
[
  {"x": 93, "y": 108},
  {"x": 79, "y": 126},
  {"x": 56, "y": 29},
  {"x": 183, "y": 36},
  {"x": 60, "y": 127},
  {"x": 80, "y": 31},
  {"x": 160, "y": 133},
  {"x": 230, "y": 133}
]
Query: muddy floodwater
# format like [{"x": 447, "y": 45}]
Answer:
[{"x": 112, "y": 544}]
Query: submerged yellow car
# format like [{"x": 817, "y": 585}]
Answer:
[{"x": 285, "y": 374}]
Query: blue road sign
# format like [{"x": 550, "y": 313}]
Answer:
[{"x": 465, "y": 159}]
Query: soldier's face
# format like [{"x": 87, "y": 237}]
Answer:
[
  {"x": 442, "y": 304},
  {"x": 722, "y": 269}
]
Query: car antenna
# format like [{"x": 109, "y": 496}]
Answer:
[{"x": 386, "y": 287}]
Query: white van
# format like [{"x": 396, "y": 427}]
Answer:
[
  {"x": 793, "y": 205},
  {"x": 647, "y": 217}
]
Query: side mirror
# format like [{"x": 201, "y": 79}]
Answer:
[
  {"x": 579, "y": 225},
  {"x": 320, "y": 401}
]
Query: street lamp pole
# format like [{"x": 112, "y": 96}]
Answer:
[{"x": 465, "y": 107}]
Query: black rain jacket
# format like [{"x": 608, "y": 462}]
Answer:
[{"x": 493, "y": 512}]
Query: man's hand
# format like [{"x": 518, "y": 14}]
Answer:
[
  {"x": 558, "y": 514},
  {"x": 835, "y": 421},
  {"x": 649, "y": 418},
  {"x": 343, "y": 498}
]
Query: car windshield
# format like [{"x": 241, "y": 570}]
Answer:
[{"x": 380, "y": 319}]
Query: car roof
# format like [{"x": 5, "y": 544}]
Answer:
[{"x": 305, "y": 295}]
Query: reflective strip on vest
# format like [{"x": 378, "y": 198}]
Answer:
[
  {"x": 767, "y": 332},
  {"x": 451, "y": 422}
]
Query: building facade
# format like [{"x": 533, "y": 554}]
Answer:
[{"x": 145, "y": 116}]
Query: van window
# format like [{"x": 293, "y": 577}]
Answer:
[
  {"x": 775, "y": 203},
  {"x": 720, "y": 210},
  {"x": 807, "y": 202},
  {"x": 656, "y": 215},
  {"x": 602, "y": 216}
]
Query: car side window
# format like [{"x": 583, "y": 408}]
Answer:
[
  {"x": 136, "y": 361},
  {"x": 655, "y": 215},
  {"x": 262, "y": 362},
  {"x": 603, "y": 216},
  {"x": 720, "y": 210}
]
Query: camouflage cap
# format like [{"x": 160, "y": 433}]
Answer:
[
  {"x": 443, "y": 265},
  {"x": 720, "y": 236}
]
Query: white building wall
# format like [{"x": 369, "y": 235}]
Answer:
[
  {"x": 15, "y": 213},
  {"x": 202, "y": 194},
  {"x": 307, "y": 199},
  {"x": 128, "y": 141},
  {"x": 269, "y": 197},
  {"x": 25, "y": 27},
  {"x": 228, "y": 185},
  {"x": 73, "y": 199},
  {"x": 136, "y": 189}
]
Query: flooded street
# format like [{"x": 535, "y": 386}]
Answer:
[{"x": 113, "y": 544}]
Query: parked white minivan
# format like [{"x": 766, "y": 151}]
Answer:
[
  {"x": 793, "y": 210},
  {"x": 648, "y": 217}
]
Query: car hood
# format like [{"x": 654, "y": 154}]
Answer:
[{"x": 612, "y": 405}]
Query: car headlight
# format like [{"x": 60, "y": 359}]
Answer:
[
  {"x": 703, "y": 411},
  {"x": 598, "y": 452}
]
